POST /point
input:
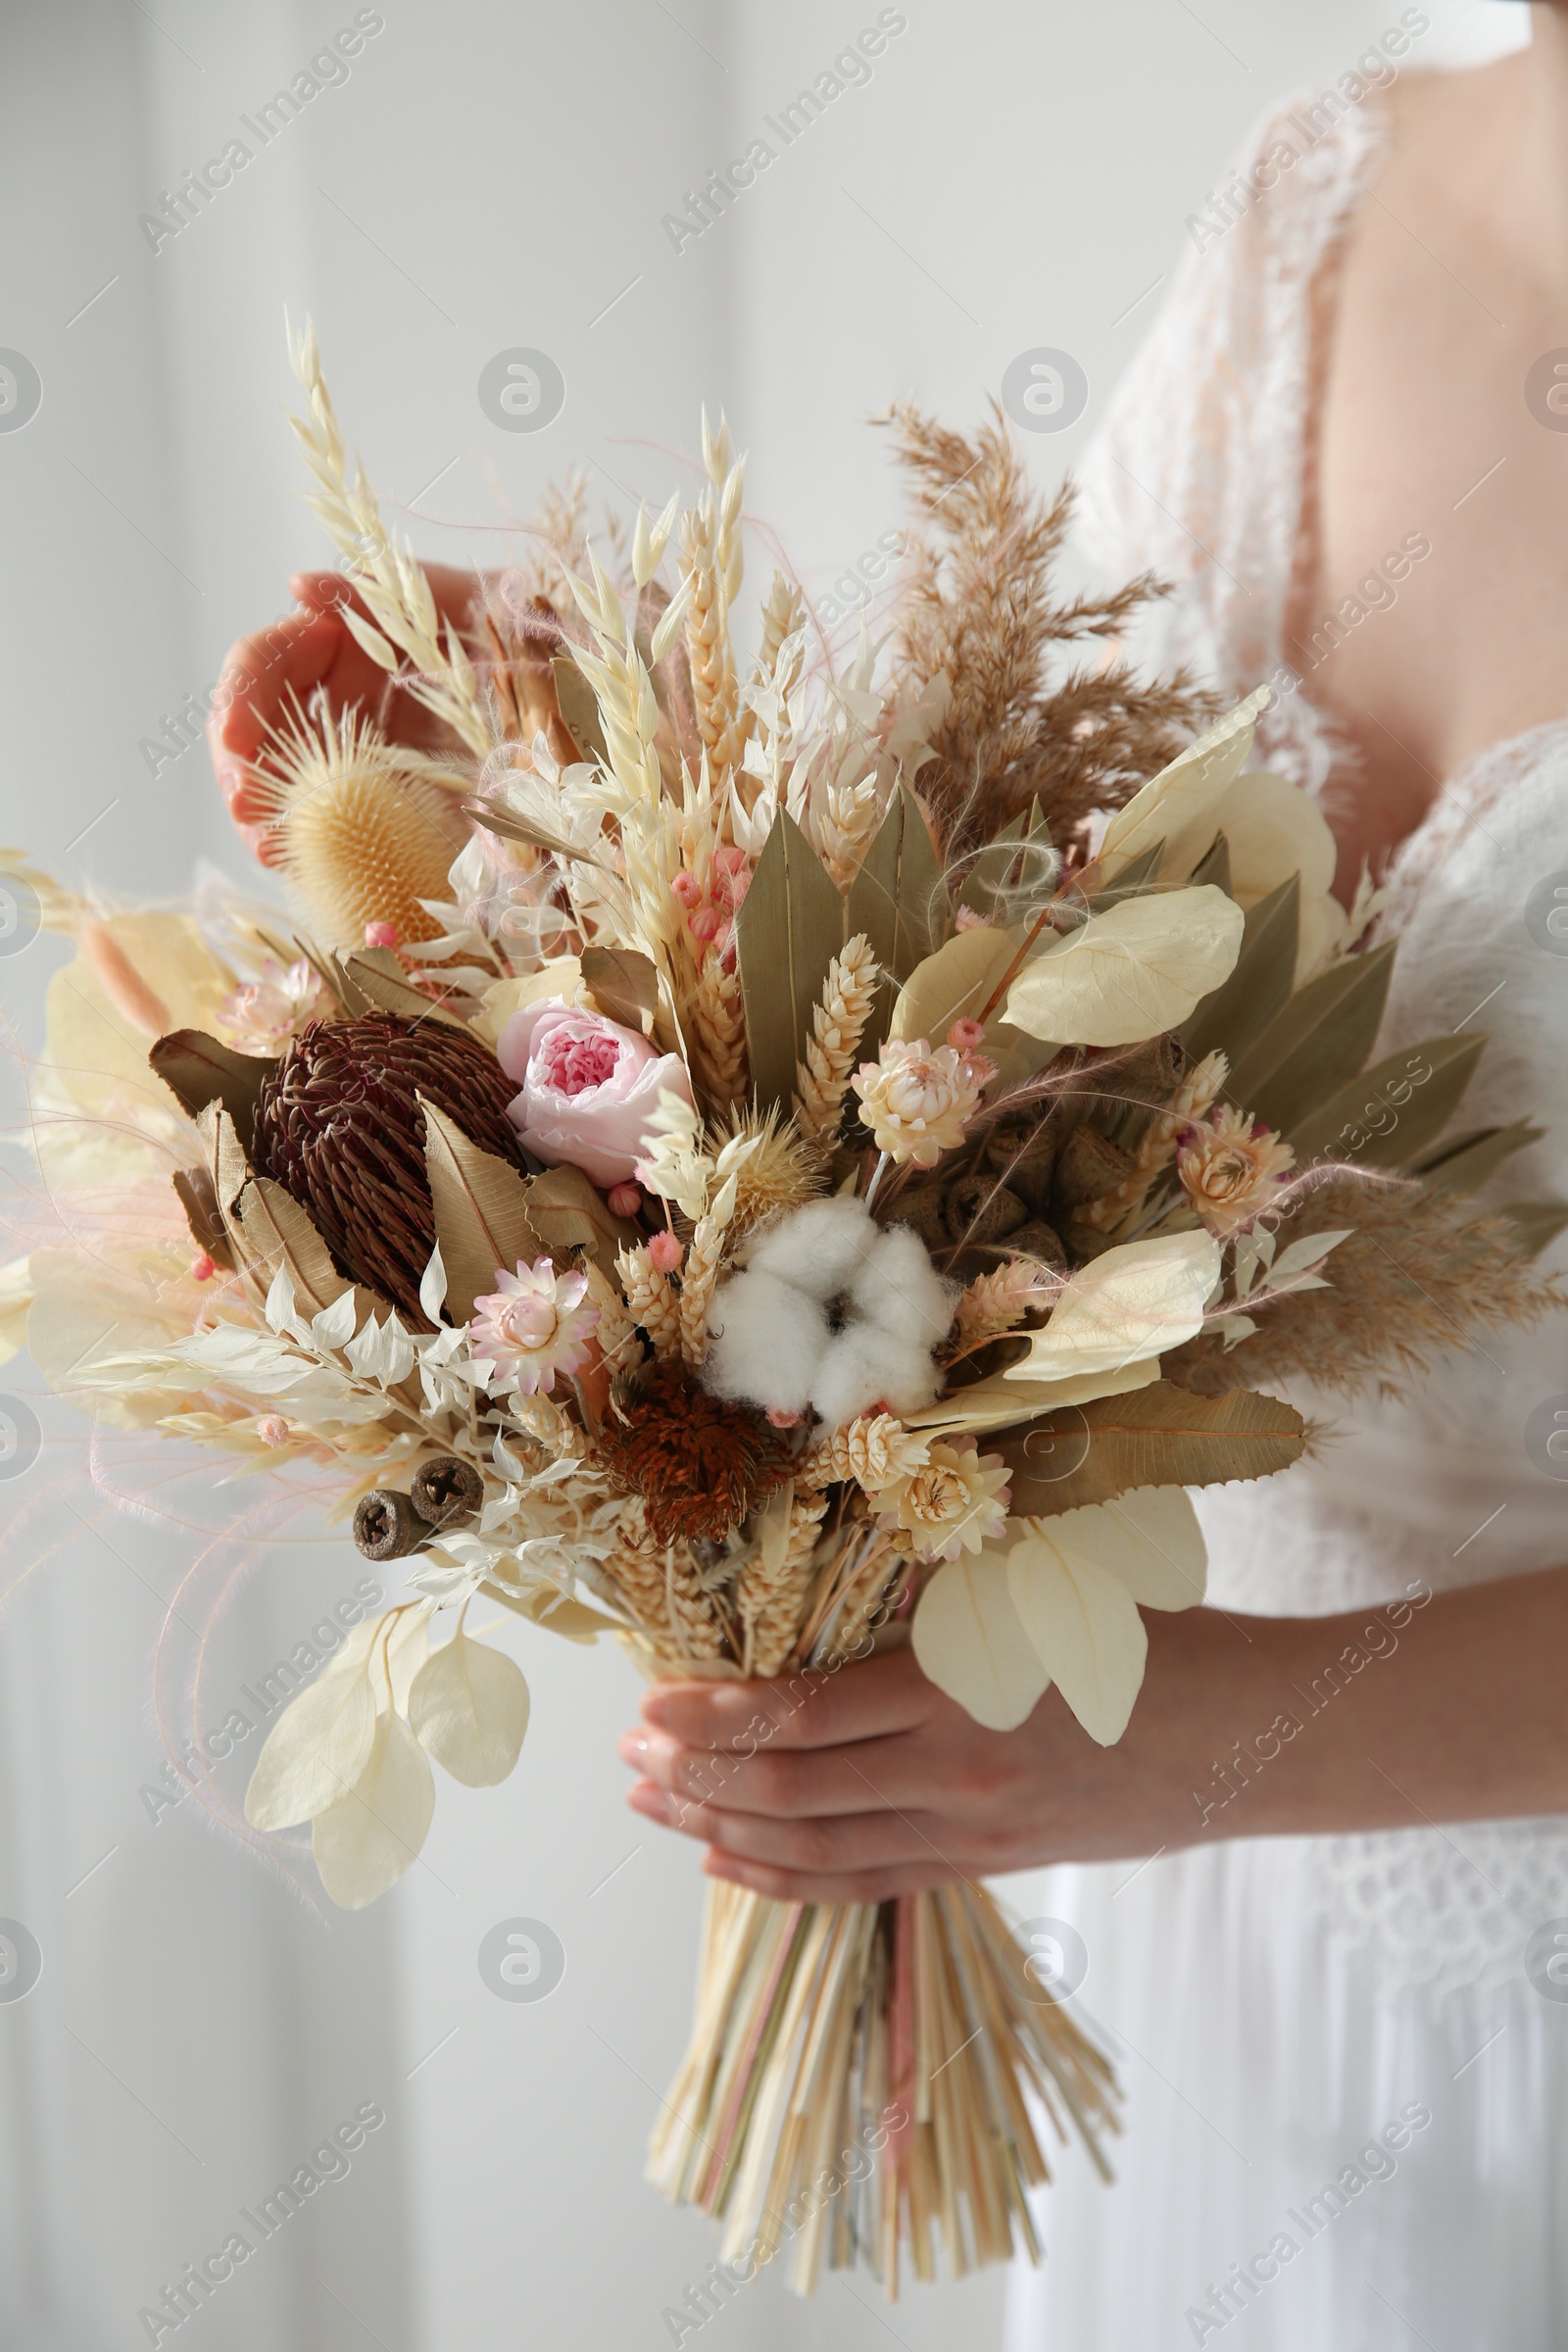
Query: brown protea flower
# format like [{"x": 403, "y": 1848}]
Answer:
[
  {"x": 338, "y": 1124},
  {"x": 699, "y": 1464}
]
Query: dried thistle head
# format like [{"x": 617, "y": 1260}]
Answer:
[
  {"x": 982, "y": 608},
  {"x": 366, "y": 829},
  {"x": 779, "y": 1175}
]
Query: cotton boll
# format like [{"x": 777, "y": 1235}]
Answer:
[
  {"x": 901, "y": 1291},
  {"x": 862, "y": 1367},
  {"x": 766, "y": 1341},
  {"x": 820, "y": 1249}
]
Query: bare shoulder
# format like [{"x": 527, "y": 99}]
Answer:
[{"x": 1436, "y": 116}]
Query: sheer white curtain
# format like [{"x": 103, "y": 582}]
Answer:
[{"x": 478, "y": 178}]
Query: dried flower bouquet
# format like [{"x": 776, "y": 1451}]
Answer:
[{"x": 748, "y": 1157}]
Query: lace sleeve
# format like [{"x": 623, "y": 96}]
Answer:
[{"x": 1202, "y": 469}]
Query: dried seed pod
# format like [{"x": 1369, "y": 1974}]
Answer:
[
  {"x": 445, "y": 1490},
  {"x": 386, "y": 1526},
  {"x": 978, "y": 1209},
  {"x": 1023, "y": 1154},
  {"x": 921, "y": 1205},
  {"x": 1091, "y": 1164},
  {"x": 1038, "y": 1240}
]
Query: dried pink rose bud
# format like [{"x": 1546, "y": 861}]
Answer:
[{"x": 625, "y": 1199}]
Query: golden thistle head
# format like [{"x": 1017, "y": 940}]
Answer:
[{"x": 365, "y": 828}]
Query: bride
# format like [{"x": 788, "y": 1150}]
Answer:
[{"x": 1321, "y": 1886}]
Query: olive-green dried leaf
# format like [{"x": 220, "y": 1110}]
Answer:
[
  {"x": 1159, "y": 1436},
  {"x": 481, "y": 1213},
  {"x": 1317, "y": 1043},
  {"x": 1464, "y": 1163},
  {"x": 900, "y": 901},
  {"x": 568, "y": 1213},
  {"x": 624, "y": 984},
  {"x": 789, "y": 928},
  {"x": 1235, "y": 1015},
  {"x": 578, "y": 705}
]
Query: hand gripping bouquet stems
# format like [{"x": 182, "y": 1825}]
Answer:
[{"x": 720, "y": 1160}]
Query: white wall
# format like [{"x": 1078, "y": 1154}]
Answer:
[{"x": 1013, "y": 176}]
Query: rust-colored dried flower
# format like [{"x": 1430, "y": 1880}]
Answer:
[
  {"x": 338, "y": 1124},
  {"x": 699, "y": 1464}
]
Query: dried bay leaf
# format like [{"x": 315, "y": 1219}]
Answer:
[
  {"x": 1236, "y": 1014},
  {"x": 380, "y": 979},
  {"x": 568, "y": 1212},
  {"x": 1317, "y": 1044},
  {"x": 578, "y": 705},
  {"x": 623, "y": 984},
  {"x": 1160, "y": 1436},
  {"x": 276, "y": 1232},
  {"x": 789, "y": 928},
  {"x": 900, "y": 901},
  {"x": 480, "y": 1202},
  {"x": 199, "y": 1069},
  {"x": 1386, "y": 1117},
  {"x": 1463, "y": 1165}
]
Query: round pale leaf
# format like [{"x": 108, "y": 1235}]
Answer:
[
  {"x": 969, "y": 1643},
  {"x": 1149, "y": 1538},
  {"x": 1126, "y": 1304},
  {"x": 468, "y": 1706},
  {"x": 1130, "y": 972},
  {"x": 316, "y": 1750},
  {"x": 952, "y": 983},
  {"x": 1089, "y": 1635},
  {"x": 1180, "y": 806},
  {"x": 1273, "y": 830},
  {"x": 365, "y": 1843}
]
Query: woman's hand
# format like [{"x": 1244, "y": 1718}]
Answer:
[
  {"x": 312, "y": 647},
  {"x": 868, "y": 1782}
]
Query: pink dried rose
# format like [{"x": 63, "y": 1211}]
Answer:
[
  {"x": 589, "y": 1087},
  {"x": 1229, "y": 1168},
  {"x": 532, "y": 1326}
]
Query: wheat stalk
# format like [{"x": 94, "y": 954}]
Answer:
[
  {"x": 873, "y": 1449},
  {"x": 769, "y": 1592},
  {"x": 661, "y": 1590},
  {"x": 651, "y": 1299},
  {"x": 387, "y": 576},
  {"x": 837, "y": 1026},
  {"x": 700, "y": 1273},
  {"x": 718, "y": 1026},
  {"x": 707, "y": 646}
]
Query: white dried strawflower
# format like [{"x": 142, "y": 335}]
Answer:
[
  {"x": 955, "y": 1502},
  {"x": 917, "y": 1102}
]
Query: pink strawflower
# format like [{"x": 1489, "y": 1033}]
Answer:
[
  {"x": 532, "y": 1326},
  {"x": 967, "y": 1037}
]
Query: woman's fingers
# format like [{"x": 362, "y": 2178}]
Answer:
[
  {"x": 886, "y": 1773},
  {"x": 863, "y": 1701},
  {"x": 826, "y": 1848}
]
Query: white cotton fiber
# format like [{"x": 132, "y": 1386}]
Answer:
[
  {"x": 820, "y": 1249},
  {"x": 774, "y": 1346},
  {"x": 766, "y": 1341}
]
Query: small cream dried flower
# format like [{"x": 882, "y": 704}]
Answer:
[
  {"x": 917, "y": 1102},
  {"x": 955, "y": 1502},
  {"x": 1229, "y": 1170}
]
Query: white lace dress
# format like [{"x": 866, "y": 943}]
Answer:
[{"x": 1275, "y": 2004}]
